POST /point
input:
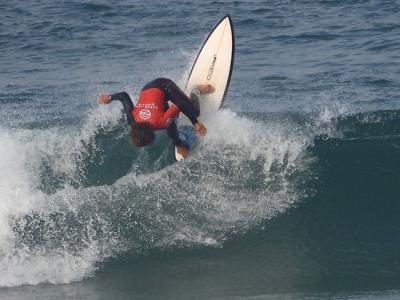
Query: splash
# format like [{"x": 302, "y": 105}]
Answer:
[{"x": 61, "y": 230}]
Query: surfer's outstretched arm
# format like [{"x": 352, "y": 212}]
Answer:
[{"x": 126, "y": 101}]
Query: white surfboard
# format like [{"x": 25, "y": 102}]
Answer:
[{"x": 212, "y": 66}]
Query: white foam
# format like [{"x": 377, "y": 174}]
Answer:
[
  {"x": 270, "y": 141},
  {"x": 27, "y": 267},
  {"x": 17, "y": 185},
  {"x": 199, "y": 201},
  {"x": 21, "y": 152}
]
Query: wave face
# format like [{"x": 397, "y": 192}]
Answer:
[{"x": 75, "y": 197}]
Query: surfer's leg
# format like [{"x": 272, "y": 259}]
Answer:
[{"x": 172, "y": 132}]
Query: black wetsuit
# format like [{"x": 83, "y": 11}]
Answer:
[{"x": 173, "y": 93}]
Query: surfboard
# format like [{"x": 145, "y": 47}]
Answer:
[{"x": 212, "y": 66}]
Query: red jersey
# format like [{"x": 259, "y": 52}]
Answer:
[{"x": 150, "y": 109}]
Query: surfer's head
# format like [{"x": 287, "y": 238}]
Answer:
[{"x": 141, "y": 134}]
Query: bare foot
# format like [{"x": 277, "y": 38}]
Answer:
[
  {"x": 205, "y": 88},
  {"x": 182, "y": 150}
]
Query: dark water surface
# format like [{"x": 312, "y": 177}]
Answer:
[{"x": 292, "y": 195}]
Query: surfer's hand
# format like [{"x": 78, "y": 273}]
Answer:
[
  {"x": 103, "y": 99},
  {"x": 200, "y": 129}
]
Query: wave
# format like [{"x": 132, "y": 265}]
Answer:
[{"x": 75, "y": 195}]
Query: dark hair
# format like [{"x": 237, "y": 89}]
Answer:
[{"x": 141, "y": 134}]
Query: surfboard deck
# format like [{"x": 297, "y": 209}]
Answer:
[{"x": 213, "y": 66}]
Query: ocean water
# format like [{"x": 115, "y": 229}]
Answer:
[{"x": 294, "y": 193}]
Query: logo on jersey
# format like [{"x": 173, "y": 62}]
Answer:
[{"x": 145, "y": 114}]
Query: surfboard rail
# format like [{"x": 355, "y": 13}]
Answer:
[
  {"x": 232, "y": 56},
  {"x": 213, "y": 66}
]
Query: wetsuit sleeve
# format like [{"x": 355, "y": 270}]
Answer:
[
  {"x": 179, "y": 98},
  {"x": 127, "y": 103}
]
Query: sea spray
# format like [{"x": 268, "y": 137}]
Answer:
[{"x": 237, "y": 176}]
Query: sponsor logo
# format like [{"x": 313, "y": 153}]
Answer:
[
  {"x": 211, "y": 70},
  {"x": 145, "y": 114},
  {"x": 147, "y": 105}
]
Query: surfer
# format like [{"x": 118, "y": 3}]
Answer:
[{"x": 152, "y": 111}]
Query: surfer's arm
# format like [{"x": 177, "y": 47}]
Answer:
[{"x": 126, "y": 101}]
